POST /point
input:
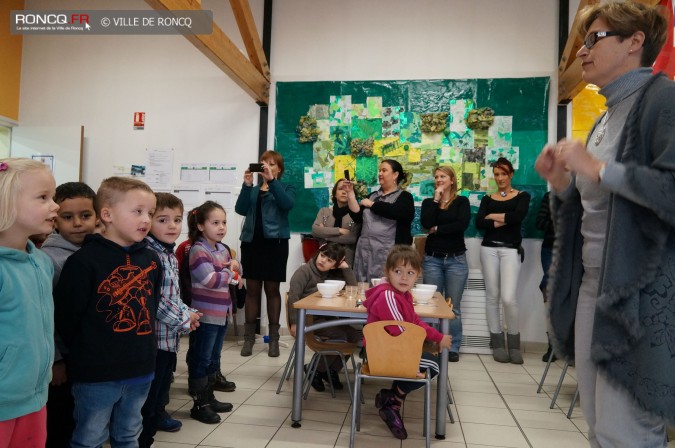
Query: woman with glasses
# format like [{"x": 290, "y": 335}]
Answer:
[
  {"x": 612, "y": 283},
  {"x": 386, "y": 216},
  {"x": 447, "y": 216},
  {"x": 500, "y": 216},
  {"x": 334, "y": 223}
]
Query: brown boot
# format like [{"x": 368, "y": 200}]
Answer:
[
  {"x": 273, "y": 350},
  {"x": 249, "y": 339}
]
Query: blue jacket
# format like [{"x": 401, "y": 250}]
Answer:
[
  {"x": 275, "y": 208},
  {"x": 26, "y": 330}
]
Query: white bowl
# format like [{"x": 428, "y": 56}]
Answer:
[
  {"x": 337, "y": 282},
  {"x": 328, "y": 289},
  {"x": 376, "y": 281},
  {"x": 426, "y": 287},
  {"x": 422, "y": 296}
]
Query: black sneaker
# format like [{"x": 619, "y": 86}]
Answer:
[
  {"x": 317, "y": 381},
  {"x": 453, "y": 356},
  {"x": 548, "y": 354},
  {"x": 335, "y": 379}
]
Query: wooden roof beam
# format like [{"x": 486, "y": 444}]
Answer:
[
  {"x": 222, "y": 52},
  {"x": 249, "y": 34},
  {"x": 570, "y": 82}
]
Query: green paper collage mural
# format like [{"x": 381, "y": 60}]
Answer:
[{"x": 326, "y": 127}]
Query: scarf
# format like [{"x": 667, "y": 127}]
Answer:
[{"x": 338, "y": 214}]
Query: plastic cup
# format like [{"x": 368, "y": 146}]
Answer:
[{"x": 351, "y": 292}]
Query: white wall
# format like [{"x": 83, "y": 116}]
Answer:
[{"x": 191, "y": 106}]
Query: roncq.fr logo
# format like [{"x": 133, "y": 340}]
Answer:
[{"x": 51, "y": 19}]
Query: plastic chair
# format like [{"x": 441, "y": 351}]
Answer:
[
  {"x": 394, "y": 358},
  {"x": 321, "y": 350}
]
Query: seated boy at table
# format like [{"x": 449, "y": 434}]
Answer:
[
  {"x": 327, "y": 264},
  {"x": 392, "y": 300}
]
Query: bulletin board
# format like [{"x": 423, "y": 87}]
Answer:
[{"x": 323, "y": 128}]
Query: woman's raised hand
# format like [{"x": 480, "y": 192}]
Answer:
[
  {"x": 248, "y": 178},
  {"x": 551, "y": 168},
  {"x": 267, "y": 172}
]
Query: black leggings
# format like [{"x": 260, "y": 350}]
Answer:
[
  {"x": 428, "y": 363},
  {"x": 254, "y": 296}
]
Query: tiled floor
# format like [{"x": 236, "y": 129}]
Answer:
[{"x": 495, "y": 405}]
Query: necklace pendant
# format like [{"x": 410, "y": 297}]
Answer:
[
  {"x": 504, "y": 194},
  {"x": 599, "y": 136}
]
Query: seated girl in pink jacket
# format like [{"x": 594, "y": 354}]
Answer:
[{"x": 392, "y": 300}]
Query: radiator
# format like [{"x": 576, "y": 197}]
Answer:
[{"x": 475, "y": 332}]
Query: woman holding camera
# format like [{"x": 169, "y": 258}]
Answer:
[
  {"x": 386, "y": 216},
  {"x": 264, "y": 245}
]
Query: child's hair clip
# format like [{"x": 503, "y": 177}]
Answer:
[
  {"x": 4, "y": 166},
  {"x": 194, "y": 212},
  {"x": 322, "y": 247}
]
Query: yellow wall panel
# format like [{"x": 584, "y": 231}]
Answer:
[
  {"x": 586, "y": 108},
  {"x": 10, "y": 61}
]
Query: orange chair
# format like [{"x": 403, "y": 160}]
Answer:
[{"x": 394, "y": 358}]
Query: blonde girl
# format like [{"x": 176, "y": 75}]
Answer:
[{"x": 27, "y": 208}]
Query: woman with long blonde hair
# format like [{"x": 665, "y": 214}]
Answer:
[{"x": 446, "y": 216}]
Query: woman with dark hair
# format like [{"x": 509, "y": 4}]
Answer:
[
  {"x": 334, "y": 224},
  {"x": 264, "y": 245},
  {"x": 500, "y": 216},
  {"x": 610, "y": 290},
  {"x": 447, "y": 216},
  {"x": 386, "y": 216}
]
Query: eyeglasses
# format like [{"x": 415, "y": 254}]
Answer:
[{"x": 595, "y": 36}]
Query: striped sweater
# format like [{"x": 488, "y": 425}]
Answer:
[{"x": 210, "y": 273}]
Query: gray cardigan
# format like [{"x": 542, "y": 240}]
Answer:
[{"x": 634, "y": 330}]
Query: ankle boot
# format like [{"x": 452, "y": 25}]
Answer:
[
  {"x": 201, "y": 410},
  {"x": 216, "y": 405},
  {"x": 514, "y": 348},
  {"x": 222, "y": 384},
  {"x": 249, "y": 339},
  {"x": 499, "y": 353},
  {"x": 273, "y": 350}
]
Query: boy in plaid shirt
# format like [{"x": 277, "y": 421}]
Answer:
[{"x": 173, "y": 316}]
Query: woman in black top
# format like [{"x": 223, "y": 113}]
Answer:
[
  {"x": 447, "y": 216},
  {"x": 500, "y": 215},
  {"x": 385, "y": 215}
]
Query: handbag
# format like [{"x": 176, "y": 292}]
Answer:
[{"x": 238, "y": 295}]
